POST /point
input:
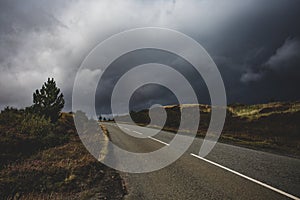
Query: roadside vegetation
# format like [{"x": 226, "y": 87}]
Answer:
[
  {"x": 271, "y": 127},
  {"x": 42, "y": 156}
]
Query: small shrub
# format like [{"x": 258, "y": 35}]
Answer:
[
  {"x": 23, "y": 133},
  {"x": 35, "y": 125},
  {"x": 11, "y": 117}
]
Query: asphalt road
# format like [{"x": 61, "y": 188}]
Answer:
[{"x": 228, "y": 172}]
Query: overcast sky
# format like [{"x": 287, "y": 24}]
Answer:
[{"x": 255, "y": 44}]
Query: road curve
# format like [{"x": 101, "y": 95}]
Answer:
[{"x": 192, "y": 178}]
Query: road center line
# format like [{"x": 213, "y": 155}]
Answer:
[
  {"x": 158, "y": 140},
  {"x": 137, "y": 132},
  {"x": 248, "y": 178}
]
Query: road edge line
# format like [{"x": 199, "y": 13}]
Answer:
[
  {"x": 137, "y": 132},
  {"x": 158, "y": 140},
  {"x": 248, "y": 178}
]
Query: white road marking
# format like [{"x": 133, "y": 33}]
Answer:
[
  {"x": 158, "y": 140},
  {"x": 248, "y": 178},
  {"x": 126, "y": 129},
  {"x": 138, "y": 132}
]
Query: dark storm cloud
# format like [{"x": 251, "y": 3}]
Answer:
[
  {"x": 285, "y": 58},
  {"x": 255, "y": 44},
  {"x": 244, "y": 48},
  {"x": 146, "y": 96}
]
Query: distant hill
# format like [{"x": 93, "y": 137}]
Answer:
[{"x": 274, "y": 126}]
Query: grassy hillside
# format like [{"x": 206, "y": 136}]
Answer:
[
  {"x": 41, "y": 160},
  {"x": 272, "y": 126}
]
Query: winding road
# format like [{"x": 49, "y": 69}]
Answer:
[{"x": 228, "y": 172}]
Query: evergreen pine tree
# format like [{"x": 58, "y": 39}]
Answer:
[{"x": 49, "y": 101}]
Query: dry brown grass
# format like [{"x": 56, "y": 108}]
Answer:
[
  {"x": 272, "y": 127},
  {"x": 65, "y": 171}
]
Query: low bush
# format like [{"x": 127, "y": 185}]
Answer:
[
  {"x": 35, "y": 125},
  {"x": 22, "y": 133}
]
